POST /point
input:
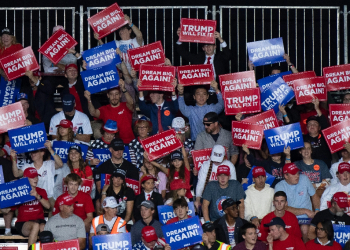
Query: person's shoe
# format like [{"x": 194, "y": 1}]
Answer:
[{"x": 8, "y": 234}]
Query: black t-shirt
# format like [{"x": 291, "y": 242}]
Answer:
[
  {"x": 122, "y": 198},
  {"x": 215, "y": 137},
  {"x": 320, "y": 149},
  {"x": 242, "y": 171},
  {"x": 327, "y": 215},
  {"x": 7, "y": 170},
  {"x": 108, "y": 167}
]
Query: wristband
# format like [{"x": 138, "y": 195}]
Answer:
[
  {"x": 285, "y": 115},
  {"x": 254, "y": 217},
  {"x": 53, "y": 154},
  {"x": 124, "y": 91},
  {"x": 103, "y": 193},
  {"x": 207, "y": 221},
  {"x": 287, "y": 159},
  {"x": 131, "y": 25},
  {"x": 317, "y": 209},
  {"x": 89, "y": 163},
  {"x": 76, "y": 52},
  {"x": 291, "y": 66}
]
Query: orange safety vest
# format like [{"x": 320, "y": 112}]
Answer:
[
  {"x": 119, "y": 223},
  {"x": 35, "y": 246}
]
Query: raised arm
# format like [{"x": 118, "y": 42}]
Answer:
[
  {"x": 136, "y": 30},
  {"x": 93, "y": 112},
  {"x": 129, "y": 100},
  {"x": 16, "y": 172},
  {"x": 57, "y": 159},
  {"x": 290, "y": 65}
]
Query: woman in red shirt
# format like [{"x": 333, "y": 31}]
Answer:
[
  {"x": 8, "y": 46},
  {"x": 76, "y": 163},
  {"x": 30, "y": 219}
]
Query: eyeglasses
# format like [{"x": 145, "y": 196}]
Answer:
[
  {"x": 320, "y": 228},
  {"x": 142, "y": 128},
  {"x": 207, "y": 124}
]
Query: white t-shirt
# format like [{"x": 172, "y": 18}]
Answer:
[
  {"x": 124, "y": 45},
  {"x": 46, "y": 178},
  {"x": 81, "y": 123},
  {"x": 330, "y": 191}
]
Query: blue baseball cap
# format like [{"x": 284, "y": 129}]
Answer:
[
  {"x": 22, "y": 96},
  {"x": 110, "y": 126},
  {"x": 75, "y": 147},
  {"x": 68, "y": 101}
]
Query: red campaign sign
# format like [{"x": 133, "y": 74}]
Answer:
[
  {"x": 55, "y": 48},
  {"x": 337, "y": 77},
  {"x": 339, "y": 113},
  {"x": 337, "y": 135},
  {"x": 197, "y": 30},
  {"x": 16, "y": 64},
  {"x": 267, "y": 119},
  {"x": 200, "y": 156},
  {"x": 107, "y": 21},
  {"x": 161, "y": 144},
  {"x": 237, "y": 81},
  {"x": 291, "y": 77},
  {"x": 307, "y": 89},
  {"x": 248, "y": 134},
  {"x": 66, "y": 244},
  {"x": 85, "y": 187},
  {"x": 242, "y": 101},
  {"x": 157, "y": 77},
  {"x": 133, "y": 184},
  {"x": 11, "y": 117},
  {"x": 195, "y": 74},
  {"x": 152, "y": 53}
]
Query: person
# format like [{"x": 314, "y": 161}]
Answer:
[
  {"x": 208, "y": 171},
  {"x": 346, "y": 98},
  {"x": 160, "y": 111},
  {"x": 43, "y": 237},
  {"x": 65, "y": 132},
  {"x": 300, "y": 193},
  {"x": 280, "y": 203},
  {"x": 314, "y": 125},
  {"x": 216, "y": 192},
  {"x": 335, "y": 213},
  {"x": 142, "y": 128},
  {"x": 178, "y": 189},
  {"x": 116, "y": 147},
  {"x": 279, "y": 239},
  {"x": 81, "y": 123},
  {"x": 103, "y": 229},
  {"x": 30, "y": 219},
  {"x": 248, "y": 232},
  {"x": 178, "y": 124},
  {"x": 325, "y": 237},
  {"x": 215, "y": 135},
  {"x": 121, "y": 112},
  {"x": 82, "y": 206},
  {"x": 259, "y": 198},
  {"x": 124, "y": 195},
  {"x": 243, "y": 169},
  {"x": 30, "y": 118},
  {"x": 76, "y": 163},
  {"x": 344, "y": 156},
  {"x": 65, "y": 225},
  {"x": 147, "y": 210},
  {"x": 272, "y": 165},
  {"x": 150, "y": 240},
  {"x": 275, "y": 69},
  {"x": 228, "y": 226},
  {"x": 196, "y": 113},
  {"x": 209, "y": 238},
  {"x": 147, "y": 193},
  {"x": 180, "y": 207}
]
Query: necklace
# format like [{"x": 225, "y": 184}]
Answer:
[{"x": 115, "y": 165}]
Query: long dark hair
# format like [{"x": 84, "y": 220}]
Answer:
[
  {"x": 172, "y": 172},
  {"x": 81, "y": 165},
  {"x": 328, "y": 227},
  {"x": 110, "y": 191}
]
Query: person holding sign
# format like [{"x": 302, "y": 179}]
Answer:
[
  {"x": 150, "y": 240},
  {"x": 325, "y": 237},
  {"x": 30, "y": 219},
  {"x": 76, "y": 163},
  {"x": 30, "y": 118},
  {"x": 180, "y": 207},
  {"x": 209, "y": 238}
]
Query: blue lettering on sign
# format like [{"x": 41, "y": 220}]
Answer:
[
  {"x": 265, "y": 82},
  {"x": 341, "y": 234},
  {"x": 9, "y": 91},
  {"x": 103, "y": 154},
  {"x": 166, "y": 212},
  {"x": 61, "y": 149},
  {"x": 15, "y": 192}
]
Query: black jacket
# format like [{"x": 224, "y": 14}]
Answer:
[
  {"x": 156, "y": 198},
  {"x": 222, "y": 232}
]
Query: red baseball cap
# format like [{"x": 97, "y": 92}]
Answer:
[
  {"x": 223, "y": 169},
  {"x": 72, "y": 65},
  {"x": 258, "y": 171},
  {"x": 149, "y": 234},
  {"x": 342, "y": 167},
  {"x": 290, "y": 168},
  {"x": 179, "y": 183},
  {"x": 65, "y": 124},
  {"x": 147, "y": 177},
  {"x": 30, "y": 173},
  {"x": 65, "y": 199},
  {"x": 341, "y": 199}
]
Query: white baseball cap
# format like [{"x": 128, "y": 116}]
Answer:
[
  {"x": 110, "y": 201},
  {"x": 218, "y": 153},
  {"x": 178, "y": 124}
]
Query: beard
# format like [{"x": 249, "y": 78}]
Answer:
[{"x": 339, "y": 214}]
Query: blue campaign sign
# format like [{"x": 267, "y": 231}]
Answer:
[
  {"x": 289, "y": 135},
  {"x": 266, "y": 51},
  {"x": 15, "y": 192},
  {"x": 265, "y": 82},
  {"x": 277, "y": 93},
  {"x": 166, "y": 212},
  {"x": 304, "y": 221},
  {"x": 126, "y": 154},
  {"x": 101, "y": 56},
  {"x": 100, "y": 79},
  {"x": 28, "y": 138},
  {"x": 112, "y": 242},
  {"x": 61, "y": 149},
  {"x": 2, "y": 180},
  {"x": 9, "y": 91},
  {"x": 269, "y": 179},
  {"x": 183, "y": 233},
  {"x": 103, "y": 154},
  {"x": 341, "y": 234}
]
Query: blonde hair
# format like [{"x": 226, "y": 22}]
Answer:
[{"x": 2, "y": 47}]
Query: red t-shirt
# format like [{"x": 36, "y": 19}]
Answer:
[
  {"x": 187, "y": 179},
  {"x": 291, "y": 243},
  {"x": 88, "y": 172},
  {"x": 73, "y": 91},
  {"x": 82, "y": 205},
  {"x": 312, "y": 245},
  {"x": 175, "y": 219},
  {"x": 291, "y": 221},
  {"x": 32, "y": 210},
  {"x": 304, "y": 116},
  {"x": 10, "y": 50},
  {"x": 123, "y": 116}
]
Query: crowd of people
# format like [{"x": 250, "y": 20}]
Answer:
[{"x": 297, "y": 210}]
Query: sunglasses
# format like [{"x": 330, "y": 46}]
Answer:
[{"x": 207, "y": 124}]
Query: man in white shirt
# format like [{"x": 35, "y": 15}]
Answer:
[
  {"x": 81, "y": 123},
  {"x": 345, "y": 157}
]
